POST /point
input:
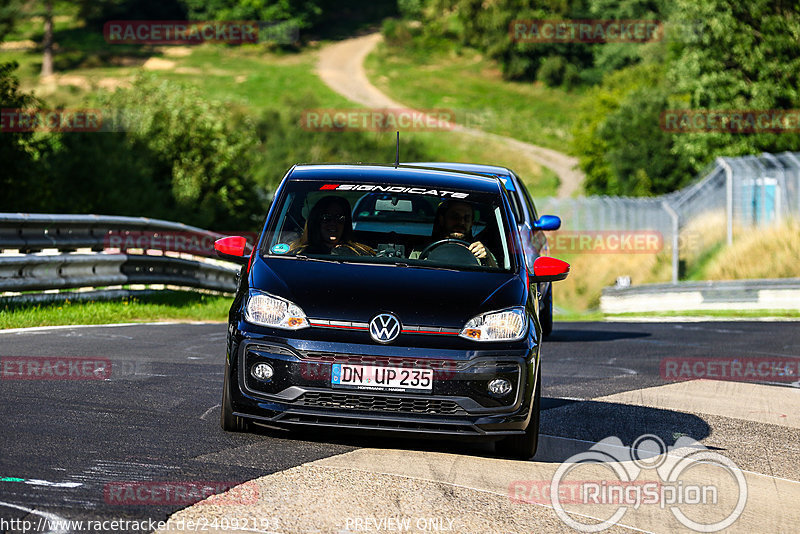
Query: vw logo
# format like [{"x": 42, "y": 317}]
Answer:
[{"x": 384, "y": 328}]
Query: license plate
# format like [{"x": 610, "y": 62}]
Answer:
[{"x": 369, "y": 377}]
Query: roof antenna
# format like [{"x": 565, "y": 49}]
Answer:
[{"x": 397, "y": 151}]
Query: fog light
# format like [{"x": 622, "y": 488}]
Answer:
[
  {"x": 500, "y": 387},
  {"x": 262, "y": 371}
]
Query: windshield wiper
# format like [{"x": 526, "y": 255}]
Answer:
[{"x": 303, "y": 257}]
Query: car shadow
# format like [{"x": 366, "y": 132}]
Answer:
[
  {"x": 580, "y": 336},
  {"x": 566, "y": 428}
]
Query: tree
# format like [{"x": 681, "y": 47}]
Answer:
[
  {"x": 9, "y": 13},
  {"x": 746, "y": 57},
  {"x": 47, "y": 59},
  {"x": 21, "y": 181}
]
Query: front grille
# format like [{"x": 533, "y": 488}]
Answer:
[
  {"x": 379, "y": 404},
  {"x": 385, "y": 361}
]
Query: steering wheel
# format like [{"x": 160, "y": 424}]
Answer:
[{"x": 450, "y": 250}]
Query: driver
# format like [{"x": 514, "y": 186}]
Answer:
[
  {"x": 329, "y": 230},
  {"x": 454, "y": 220}
]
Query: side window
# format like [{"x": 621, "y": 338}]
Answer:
[
  {"x": 529, "y": 202},
  {"x": 516, "y": 207}
]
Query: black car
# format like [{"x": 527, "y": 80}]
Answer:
[
  {"x": 391, "y": 299},
  {"x": 531, "y": 226}
]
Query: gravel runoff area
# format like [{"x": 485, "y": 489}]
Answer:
[
  {"x": 400, "y": 490},
  {"x": 312, "y": 498}
]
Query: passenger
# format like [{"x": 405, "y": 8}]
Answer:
[
  {"x": 329, "y": 230},
  {"x": 454, "y": 220}
]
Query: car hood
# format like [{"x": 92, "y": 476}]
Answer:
[{"x": 357, "y": 292}]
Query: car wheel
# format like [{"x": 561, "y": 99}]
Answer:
[
  {"x": 546, "y": 312},
  {"x": 523, "y": 446},
  {"x": 228, "y": 421}
]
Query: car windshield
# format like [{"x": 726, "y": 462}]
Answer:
[{"x": 412, "y": 225}]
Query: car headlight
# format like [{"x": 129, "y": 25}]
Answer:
[
  {"x": 504, "y": 325},
  {"x": 266, "y": 310}
]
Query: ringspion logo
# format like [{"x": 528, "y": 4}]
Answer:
[{"x": 704, "y": 490}]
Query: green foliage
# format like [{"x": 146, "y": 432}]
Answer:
[
  {"x": 10, "y": 11},
  {"x": 97, "y": 12},
  {"x": 410, "y": 9},
  {"x": 640, "y": 154},
  {"x": 180, "y": 158},
  {"x": 329, "y": 18},
  {"x": 551, "y": 71},
  {"x": 746, "y": 57},
  {"x": 20, "y": 181},
  {"x": 302, "y": 12},
  {"x": 200, "y": 150},
  {"x": 740, "y": 57},
  {"x": 397, "y": 33},
  {"x": 282, "y": 143},
  {"x": 606, "y": 131},
  {"x": 161, "y": 305}
]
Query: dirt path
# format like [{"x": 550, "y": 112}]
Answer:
[{"x": 341, "y": 67}]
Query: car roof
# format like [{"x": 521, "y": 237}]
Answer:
[
  {"x": 476, "y": 168},
  {"x": 388, "y": 174}
]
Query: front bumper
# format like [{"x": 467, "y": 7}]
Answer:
[{"x": 300, "y": 392}]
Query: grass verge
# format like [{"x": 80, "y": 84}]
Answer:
[
  {"x": 162, "y": 306},
  {"x": 251, "y": 78},
  {"x": 755, "y": 314},
  {"x": 473, "y": 86}
]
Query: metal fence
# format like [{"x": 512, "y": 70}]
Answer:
[
  {"x": 42, "y": 252},
  {"x": 749, "y": 190}
]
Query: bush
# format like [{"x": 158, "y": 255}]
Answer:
[
  {"x": 410, "y": 9},
  {"x": 396, "y": 33},
  {"x": 572, "y": 76},
  {"x": 21, "y": 181},
  {"x": 551, "y": 71},
  {"x": 172, "y": 155}
]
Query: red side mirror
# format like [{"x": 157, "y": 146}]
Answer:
[
  {"x": 232, "y": 248},
  {"x": 547, "y": 269}
]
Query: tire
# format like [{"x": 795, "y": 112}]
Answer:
[
  {"x": 228, "y": 421},
  {"x": 523, "y": 446},
  {"x": 546, "y": 312}
]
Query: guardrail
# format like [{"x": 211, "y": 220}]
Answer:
[
  {"x": 33, "y": 232},
  {"x": 30, "y": 234},
  {"x": 779, "y": 294}
]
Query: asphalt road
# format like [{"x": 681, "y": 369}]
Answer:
[{"x": 65, "y": 443}]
